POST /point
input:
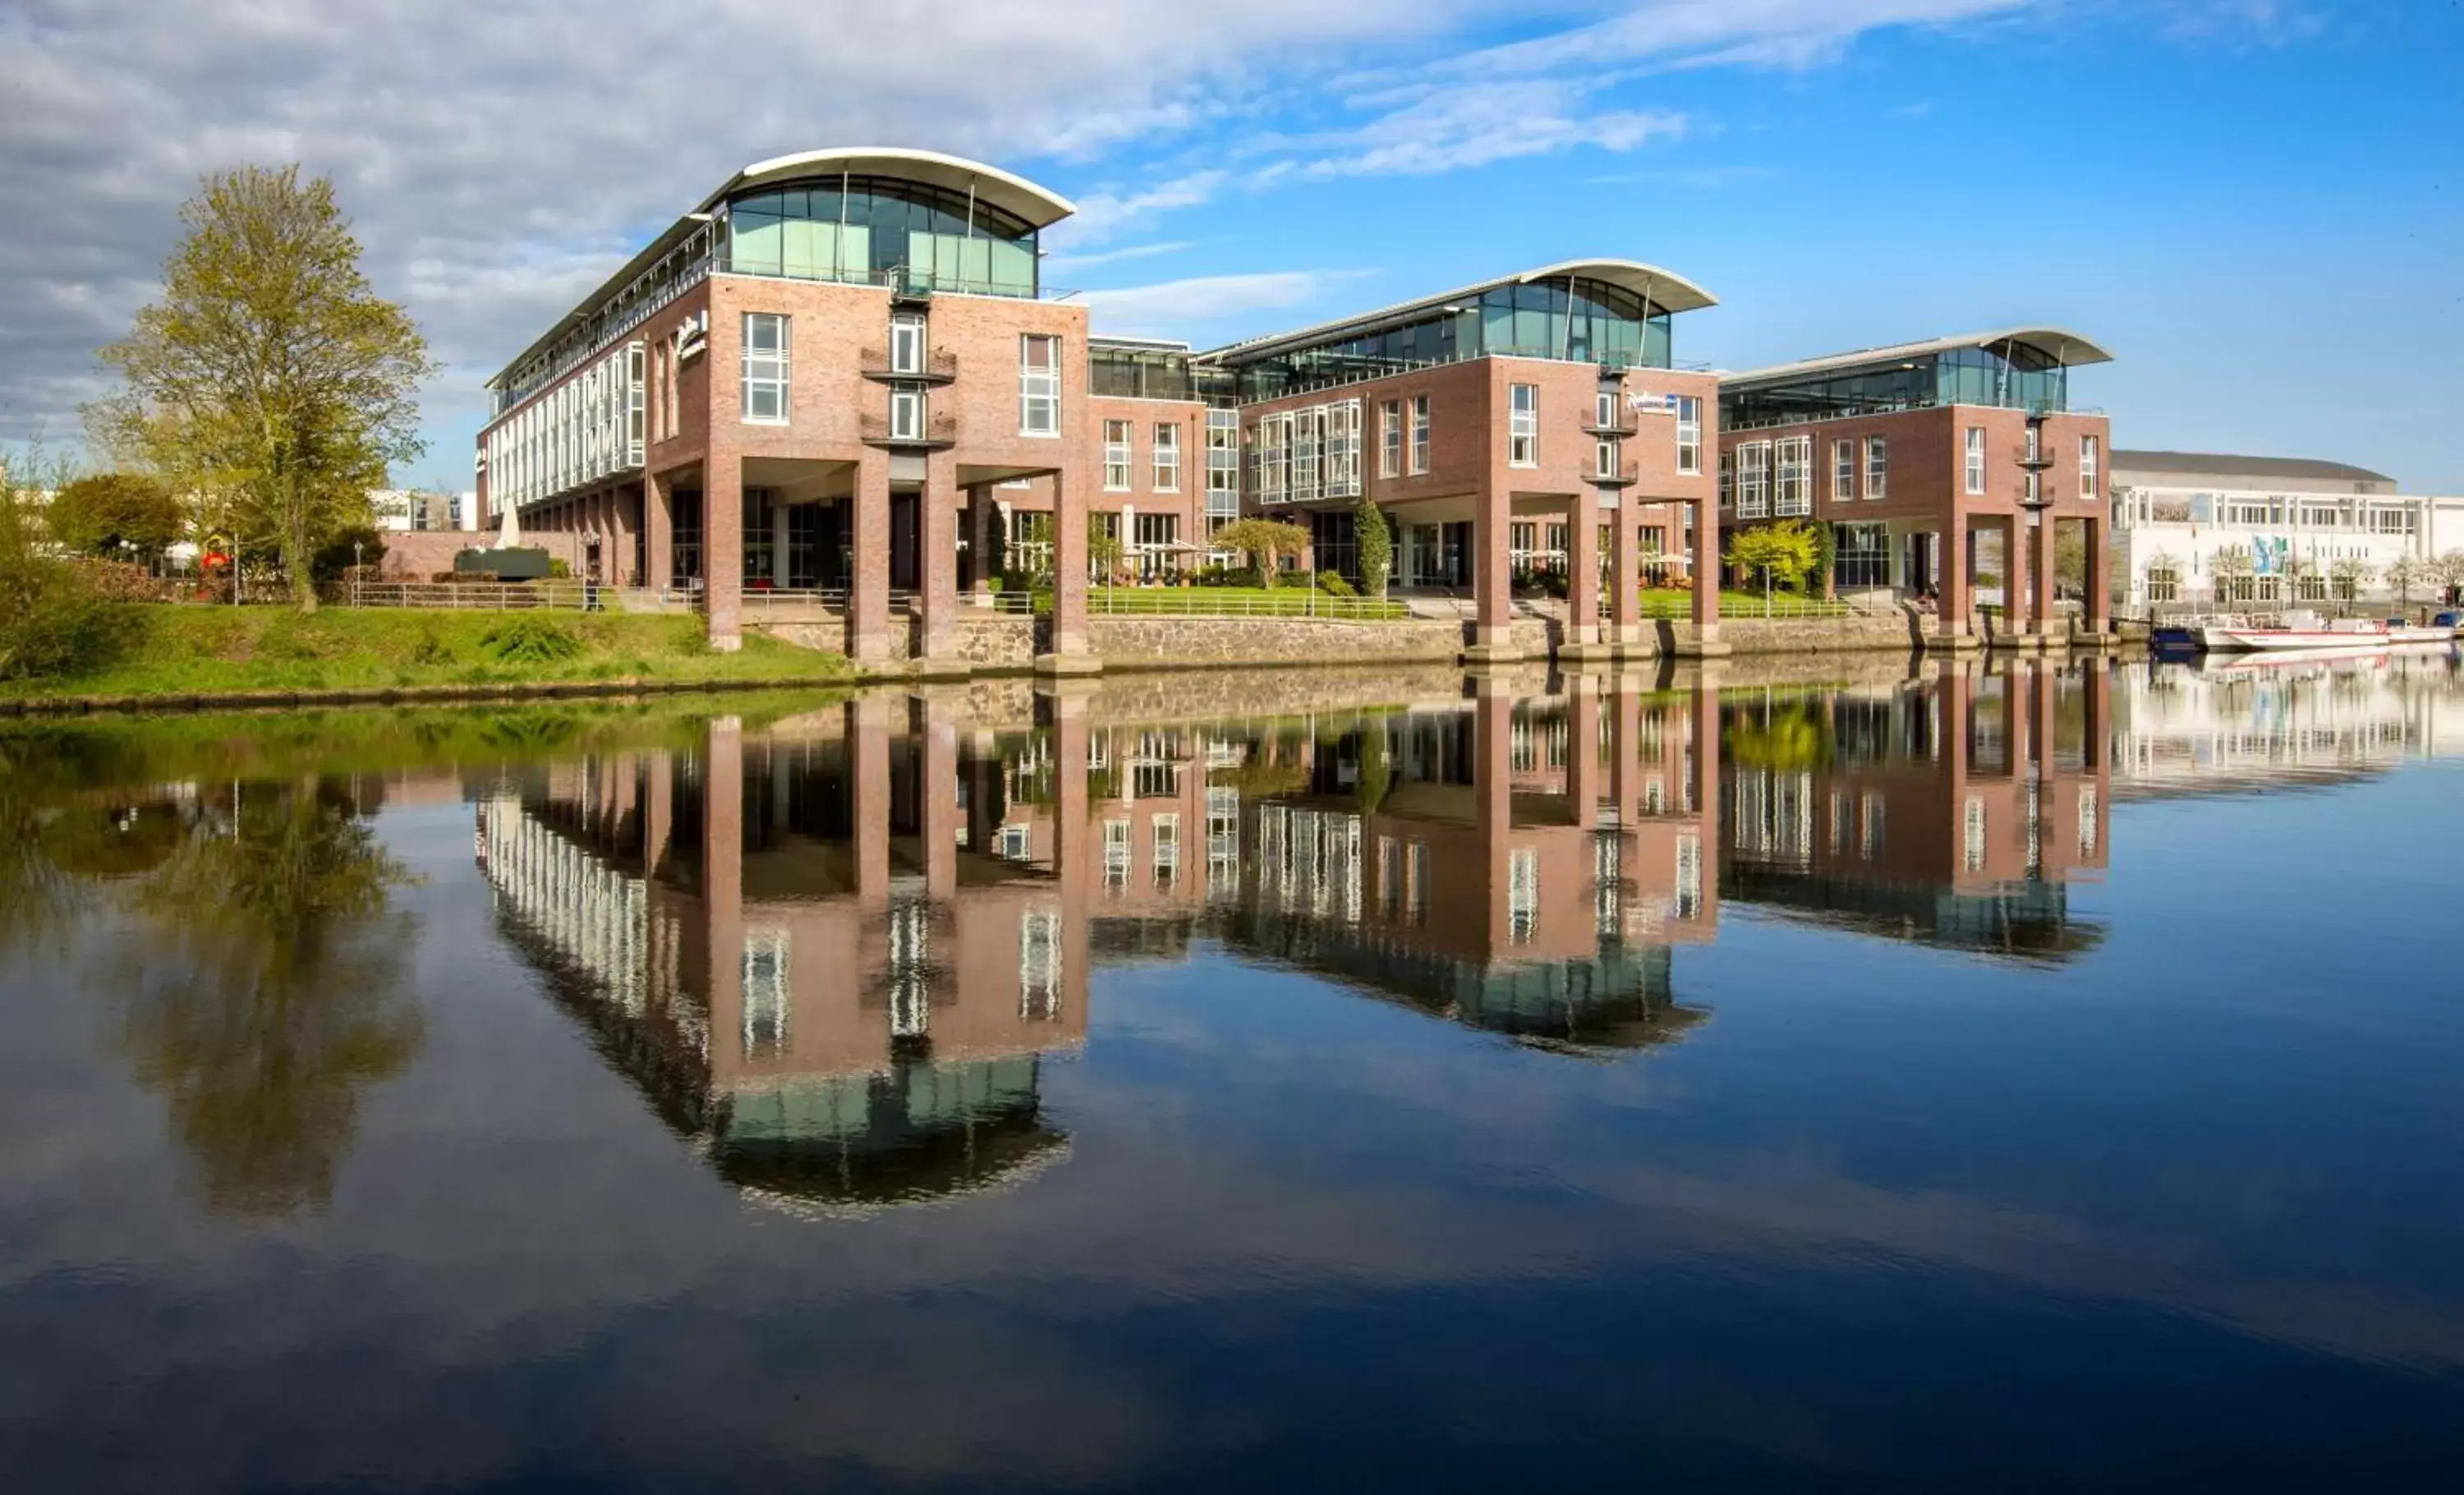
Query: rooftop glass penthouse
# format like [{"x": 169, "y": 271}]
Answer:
[
  {"x": 2022, "y": 369},
  {"x": 1613, "y": 313}
]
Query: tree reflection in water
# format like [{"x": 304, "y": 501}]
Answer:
[{"x": 273, "y": 996}]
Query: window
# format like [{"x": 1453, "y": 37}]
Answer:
[
  {"x": 765, "y": 993},
  {"x": 1167, "y": 458},
  {"x": 2090, "y": 467},
  {"x": 1342, "y": 420},
  {"x": 1977, "y": 459},
  {"x": 1843, "y": 470},
  {"x": 1419, "y": 433},
  {"x": 1116, "y": 456},
  {"x": 1860, "y": 557},
  {"x": 1604, "y": 408},
  {"x": 1689, "y": 434},
  {"x": 906, "y": 344},
  {"x": 1309, "y": 438},
  {"x": 1389, "y": 439},
  {"x": 1522, "y": 894},
  {"x": 1727, "y": 479},
  {"x": 906, "y": 414},
  {"x": 765, "y": 367},
  {"x": 1039, "y": 385},
  {"x": 1604, "y": 457},
  {"x": 1753, "y": 481},
  {"x": 1523, "y": 427},
  {"x": 1973, "y": 837},
  {"x": 1223, "y": 469},
  {"x": 1877, "y": 465}
]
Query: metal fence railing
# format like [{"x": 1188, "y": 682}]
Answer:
[
  {"x": 480, "y": 596},
  {"x": 1778, "y": 606},
  {"x": 1205, "y": 602}
]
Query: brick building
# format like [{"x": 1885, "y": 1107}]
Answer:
[
  {"x": 839, "y": 374},
  {"x": 1916, "y": 453}
]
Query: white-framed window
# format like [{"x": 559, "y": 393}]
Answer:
[
  {"x": 1878, "y": 466},
  {"x": 1975, "y": 460},
  {"x": 1343, "y": 449},
  {"x": 765, "y": 993},
  {"x": 1039, "y": 385},
  {"x": 1389, "y": 439},
  {"x": 1308, "y": 442},
  {"x": 906, "y": 344},
  {"x": 1522, "y": 894},
  {"x": 1419, "y": 433},
  {"x": 1843, "y": 470},
  {"x": 1167, "y": 457},
  {"x": 765, "y": 367},
  {"x": 906, "y": 414},
  {"x": 2091, "y": 466},
  {"x": 1116, "y": 456},
  {"x": 1973, "y": 829},
  {"x": 1523, "y": 425},
  {"x": 1223, "y": 469},
  {"x": 1753, "y": 481},
  {"x": 1793, "y": 488},
  {"x": 1727, "y": 479},
  {"x": 1604, "y": 408},
  {"x": 1604, "y": 456},
  {"x": 1689, "y": 434}
]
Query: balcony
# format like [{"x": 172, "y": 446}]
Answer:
[
  {"x": 941, "y": 431},
  {"x": 1622, "y": 426},
  {"x": 940, "y": 367},
  {"x": 1624, "y": 476}
]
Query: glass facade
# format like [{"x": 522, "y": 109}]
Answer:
[
  {"x": 2013, "y": 376},
  {"x": 1583, "y": 321},
  {"x": 582, "y": 433},
  {"x": 873, "y": 230}
]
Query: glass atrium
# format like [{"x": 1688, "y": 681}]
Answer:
[
  {"x": 2009, "y": 375},
  {"x": 869, "y": 230}
]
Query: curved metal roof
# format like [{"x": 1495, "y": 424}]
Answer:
[
  {"x": 2062, "y": 346},
  {"x": 1012, "y": 194},
  {"x": 1664, "y": 289}
]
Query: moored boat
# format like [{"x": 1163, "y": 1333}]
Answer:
[{"x": 2304, "y": 630}]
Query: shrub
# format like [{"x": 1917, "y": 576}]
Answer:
[
  {"x": 1332, "y": 584},
  {"x": 52, "y": 622},
  {"x": 530, "y": 640},
  {"x": 430, "y": 648}
]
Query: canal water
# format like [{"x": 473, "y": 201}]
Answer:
[{"x": 1962, "y": 1077}]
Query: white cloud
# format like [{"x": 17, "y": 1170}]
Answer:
[
  {"x": 1174, "y": 308},
  {"x": 1066, "y": 264},
  {"x": 1477, "y": 125}
]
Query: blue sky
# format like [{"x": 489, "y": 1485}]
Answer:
[{"x": 2252, "y": 202}]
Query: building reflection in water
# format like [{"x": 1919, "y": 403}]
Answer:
[
  {"x": 1954, "y": 807},
  {"x": 839, "y": 951}
]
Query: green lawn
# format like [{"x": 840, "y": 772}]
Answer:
[
  {"x": 1674, "y": 603},
  {"x": 164, "y": 650}
]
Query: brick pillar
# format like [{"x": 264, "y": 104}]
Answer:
[
  {"x": 658, "y": 811},
  {"x": 1072, "y": 838},
  {"x": 1068, "y": 571},
  {"x": 1952, "y": 607},
  {"x": 722, "y": 876},
  {"x": 1492, "y": 565},
  {"x": 1625, "y": 752},
  {"x": 1493, "y": 806},
  {"x": 722, "y": 548},
  {"x": 1583, "y": 565},
  {"x": 869, "y": 569},
  {"x": 982, "y": 565},
  {"x": 2097, "y": 613},
  {"x": 659, "y": 525},
  {"x": 1583, "y": 749},
  {"x": 868, "y": 732},
  {"x": 1625, "y": 574},
  {"x": 2041, "y": 613},
  {"x": 938, "y": 819},
  {"x": 1706, "y": 571},
  {"x": 937, "y": 559}
]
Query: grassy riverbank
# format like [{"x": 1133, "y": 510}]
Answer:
[{"x": 167, "y": 650}]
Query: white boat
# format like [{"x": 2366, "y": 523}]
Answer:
[{"x": 2304, "y": 630}]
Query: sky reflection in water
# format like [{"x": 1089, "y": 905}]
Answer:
[{"x": 2011, "y": 1077}]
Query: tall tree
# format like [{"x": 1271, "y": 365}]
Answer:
[
  {"x": 1377, "y": 547},
  {"x": 99, "y": 514},
  {"x": 270, "y": 377}
]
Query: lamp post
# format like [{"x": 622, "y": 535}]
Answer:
[
  {"x": 590, "y": 568},
  {"x": 356, "y": 547}
]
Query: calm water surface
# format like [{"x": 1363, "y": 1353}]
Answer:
[{"x": 1983, "y": 1078}]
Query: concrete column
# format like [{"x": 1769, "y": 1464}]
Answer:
[
  {"x": 1583, "y": 565},
  {"x": 722, "y": 881},
  {"x": 983, "y": 567},
  {"x": 1492, "y": 566},
  {"x": 1069, "y": 650},
  {"x": 722, "y": 547},
  {"x": 1625, "y": 574},
  {"x": 936, "y": 524},
  {"x": 869, "y": 569},
  {"x": 659, "y": 526}
]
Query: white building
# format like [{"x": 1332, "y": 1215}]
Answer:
[
  {"x": 408, "y": 509},
  {"x": 2199, "y": 527}
]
